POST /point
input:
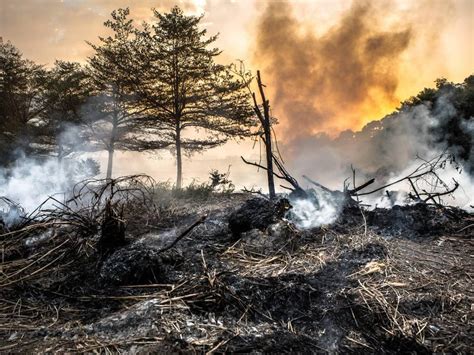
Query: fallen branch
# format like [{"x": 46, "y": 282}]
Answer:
[{"x": 184, "y": 233}]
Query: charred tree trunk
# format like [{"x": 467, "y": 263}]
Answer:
[
  {"x": 266, "y": 123},
  {"x": 179, "y": 161},
  {"x": 267, "y": 134},
  {"x": 271, "y": 159}
]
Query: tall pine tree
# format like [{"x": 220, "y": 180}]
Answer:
[
  {"x": 114, "y": 115},
  {"x": 197, "y": 103}
]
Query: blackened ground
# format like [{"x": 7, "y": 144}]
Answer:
[
  {"x": 344, "y": 288},
  {"x": 257, "y": 213},
  {"x": 410, "y": 221}
]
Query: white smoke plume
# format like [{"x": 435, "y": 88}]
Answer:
[
  {"x": 314, "y": 212},
  {"x": 29, "y": 182},
  {"x": 386, "y": 150}
]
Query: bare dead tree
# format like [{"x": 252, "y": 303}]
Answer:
[
  {"x": 266, "y": 135},
  {"x": 274, "y": 163}
]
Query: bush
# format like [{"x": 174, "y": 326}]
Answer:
[{"x": 218, "y": 183}]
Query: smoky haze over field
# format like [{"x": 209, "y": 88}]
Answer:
[
  {"x": 324, "y": 88},
  {"x": 324, "y": 83}
]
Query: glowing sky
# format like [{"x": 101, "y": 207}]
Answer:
[{"x": 442, "y": 44}]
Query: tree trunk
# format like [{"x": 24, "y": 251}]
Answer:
[
  {"x": 110, "y": 163},
  {"x": 269, "y": 154},
  {"x": 111, "y": 148},
  {"x": 179, "y": 162},
  {"x": 267, "y": 128},
  {"x": 60, "y": 172}
]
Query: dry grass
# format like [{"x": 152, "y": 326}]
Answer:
[{"x": 243, "y": 294}]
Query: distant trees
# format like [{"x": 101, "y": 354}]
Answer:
[
  {"x": 22, "y": 100},
  {"x": 147, "y": 88},
  {"x": 61, "y": 130},
  {"x": 454, "y": 105}
]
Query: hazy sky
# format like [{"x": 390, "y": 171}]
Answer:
[{"x": 441, "y": 45}]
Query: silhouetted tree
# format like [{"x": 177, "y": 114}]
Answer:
[
  {"x": 62, "y": 127},
  {"x": 113, "y": 114},
  {"x": 197, "y": 103},
  {"x": 22, "y": 100}
]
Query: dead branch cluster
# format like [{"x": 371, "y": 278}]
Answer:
[
  {"x": 426, "y": 184},
  {"x": 64, "y": 232}
]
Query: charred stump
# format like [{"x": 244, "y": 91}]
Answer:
[
  {"x": 257, "y": 213},
  {"x": 112, "y": 232}
]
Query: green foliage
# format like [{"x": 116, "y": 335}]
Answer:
[
  {"x": 219, "y": 183},
  {"x": 22, "y": 100},
  {"x": 455, "y": 130},
  {"x": 194, "y": 191}
]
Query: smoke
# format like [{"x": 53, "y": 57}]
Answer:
[
  {"x": 316, "y": 210},
  {"x": 333, "y": 82},
  {"x": 387, "y": 150},
  {"x": 29, "y": 182},
  {"x": 324, "y": 88}
]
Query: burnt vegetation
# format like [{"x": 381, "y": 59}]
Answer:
[
  {"x": 129, "y": 264},
  {"x": 123, "y": 265}
]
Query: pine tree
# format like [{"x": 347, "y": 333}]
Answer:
[
  {"x": 114, "y": 116},
  {"x": 197, "y": 103},
  {"x": 22, "y": 100},
  {"x": 62, "y": 130}
]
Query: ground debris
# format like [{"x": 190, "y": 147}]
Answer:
[
  {"x": 273, "y": 288},
  {"x": 257, "y": 213},
  {"x": 408, "y": 221}
]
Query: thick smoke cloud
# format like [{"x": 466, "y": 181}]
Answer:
[
  {"x": 325, "y": 90},
  {"x": 332, "y": 82}
]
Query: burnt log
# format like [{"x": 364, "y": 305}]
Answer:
[{"x": 257, "y": 213}]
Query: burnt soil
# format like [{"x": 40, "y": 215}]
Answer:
[{"x": 382, "y": 281}]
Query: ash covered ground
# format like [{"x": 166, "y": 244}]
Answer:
[{"x": 243, "y": 279}]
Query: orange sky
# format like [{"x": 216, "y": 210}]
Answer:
[{"x": 45, "y": 30}]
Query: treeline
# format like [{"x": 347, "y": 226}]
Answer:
[
  {"x": 453, "y": 106},
  {"x": 147, "y": 87},
  {"x": 435, "y": 120}
]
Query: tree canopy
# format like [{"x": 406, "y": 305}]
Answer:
[{"x": 197, "y": 103}]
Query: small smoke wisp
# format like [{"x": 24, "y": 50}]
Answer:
[{"x": 314, "y": 211}]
